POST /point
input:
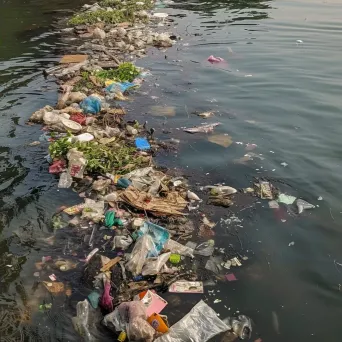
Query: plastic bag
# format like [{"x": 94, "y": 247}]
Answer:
[
  {"x": 91, "y": 105},
  {"x": 153, "y": 265},
  {"x": 122, "y": 87},
  {"x": 142, "y": 248},
  {"x": 101, "y": 184},
  {"x": 65, "y": 180},
  {"x": 94, "y": 298},
  {"x": 93, "y": 210},
  {"x": 77, "y": 163},
  {"x": 84, "y": 137},
  {"x": 51, "y": 118},
  {"x": 111, "y": 197},
  {"x": 111, "y": 220},
  {"x": 199, "y": 325},
  {"x": 84, "y": 321},
  {"x": 302, "y": 205},
  {"x": 214, "y": 264},
  {"x": 177, "y": 248},
  {"x": 130, "y": 317},
  {"x": 79, "y": 118},
  {"x": 142, "y": 144},
  {"x": 114, "y": 321},
  {"x": 159, "y": 235},
  {"x": 240, "y": 326},
  {"x": 122, "y": 242},
  {"x": 106, "y": 300},
  {"x": 205, "y": 248},
  {"x": 140, "y": 330},
  {"x": 212, "y": 59},
  {"x": 57, "y": 167}
]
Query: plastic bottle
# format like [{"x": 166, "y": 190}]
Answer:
[{"x": 157, "y": 323}]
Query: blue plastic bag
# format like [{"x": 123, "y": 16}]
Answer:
[
  {"x": 142, "y": 144},
  {"x": 91, "y": 105},
  {"x": 123, "y": 86},
  {"x": 94, "y": 298},
  {"x": 123, "y": 183},
  {"x": 159, "y": 236}
]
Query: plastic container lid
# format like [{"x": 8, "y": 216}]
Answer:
[{"x": 71, "y": 125}]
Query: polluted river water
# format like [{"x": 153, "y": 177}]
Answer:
[{"x": 276, "y": 96}]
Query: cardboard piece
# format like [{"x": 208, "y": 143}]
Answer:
[
  {"x": 110, "y": 264},
  {"x": 73, "y": 59},
  {"x": 152, "y": 302},
  {"x": 183, "y": 286}
]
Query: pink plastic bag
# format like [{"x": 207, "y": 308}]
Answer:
[
  {"x": 106, "y": 300},
  {"x": 57, "y": 167},
  {"x": 213, "y": 59}
]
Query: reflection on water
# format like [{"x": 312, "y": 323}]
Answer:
[
  {"x": 272, "y": 93},
  {"x": 234, "y": 10}
]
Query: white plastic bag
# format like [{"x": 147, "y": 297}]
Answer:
[
  {"x": 84, "y": 137},
  {"x": 65, "y": 180},
  {"x": 140, "y": 330},
  {"x": 122, "y": 241},
  {"x": 111, "y": 197},
  {"x": 205, "y": 248},
  {"x": 130, "y": 317},
  {"x": 153, "y": 265},
  {"x": 142, "y": 247},
  {"x": 93, "y": 210},
  {"x": 77, "y": 163},
  {"x": 199, "y": 325},
  {"x": 177, "y": 248},
  {"x": 51, "y": 118}
]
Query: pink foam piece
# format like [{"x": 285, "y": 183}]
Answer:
[
  {"x": 230, "y": 277},
  {"x": 213, "y": 59}
]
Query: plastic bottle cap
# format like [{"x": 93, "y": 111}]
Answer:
[{"x": 175, "y": 258}]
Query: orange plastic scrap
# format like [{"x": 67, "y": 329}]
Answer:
[
  {"x": 54, "y": 287},
  {"x": 110, "y": 264},
  {"x": 172, "y": 204},
  {"x": 73, "y": 59}
]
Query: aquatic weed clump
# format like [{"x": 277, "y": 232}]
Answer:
[
  {"x": 126, "y": 72},
  {"x": 136, "y": 4},
  {"x": 122, "y": 11},
  {"x": 108, "y": 17},
  {"x": 100, "y": 158}
]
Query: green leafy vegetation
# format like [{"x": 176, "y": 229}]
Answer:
[
  {"x": 126, "y": 72},
  {"x": 132, "y": 4},
  {"x": 100, "y": 158},
  {"x": 108, "y": 17},
  {"x": 60, "y": 147},
  {"x": 122, "y": 11},
  {"x": 57, "y": 222}
]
